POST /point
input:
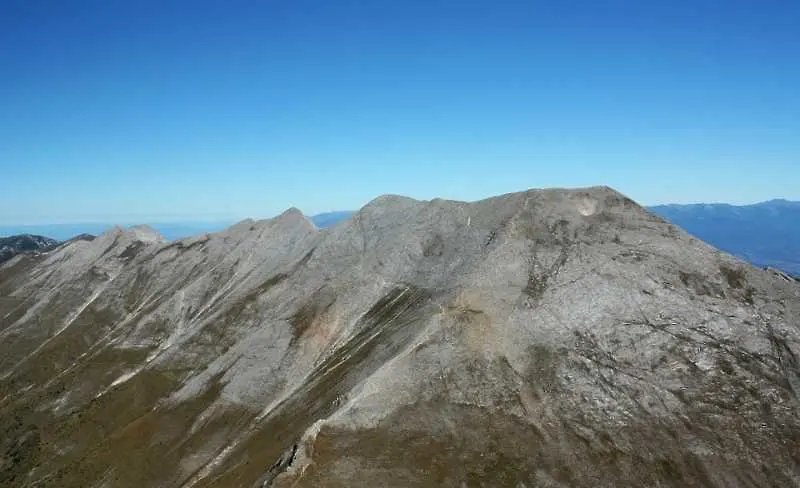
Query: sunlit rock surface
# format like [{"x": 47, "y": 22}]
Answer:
[{"x": 552, "y": 338}]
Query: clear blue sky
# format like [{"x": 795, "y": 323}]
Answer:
[{"x": 145, "y": 110}]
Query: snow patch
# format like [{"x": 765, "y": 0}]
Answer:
[
  {"x": 122, "y": 379},
  {"x": 125, "y": 377}
]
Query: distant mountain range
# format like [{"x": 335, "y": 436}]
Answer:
[
  {"x": 170, "y": 230},
  {"x": 62, "y": 232},
  {"x": 765, "y": 234},
  {"x": 328, "y": 219}
]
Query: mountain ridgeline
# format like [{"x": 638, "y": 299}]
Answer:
[
  {"x": 549, "y": 338},
  {"x": 170, "y": 230},
  {"x": 25, "y": 243},
  {"x": 765, "y": 234}
]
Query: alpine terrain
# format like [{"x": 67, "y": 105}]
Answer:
[
  {"x": 13, "y": 245},
  {"x": 550, "y": 338}
]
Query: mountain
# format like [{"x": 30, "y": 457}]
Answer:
[
  {"x": 11, "y": 246},
  {"x": 170, "y": 230},
  {"x": 63, "y": 232},
  {"x": 59, "y": 232},
  {"x": 559, "y": 338},
  {"x": 766, "y": 234}
]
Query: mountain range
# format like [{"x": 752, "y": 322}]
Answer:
[
  {"x": 170, "y": 230},
  {"x": 766, "y": 234},
  {"x": 13, "y": 245},
  {"x": 548, "y": 338}
]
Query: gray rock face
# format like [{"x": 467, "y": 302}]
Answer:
[{"x": 547, "y": 338}]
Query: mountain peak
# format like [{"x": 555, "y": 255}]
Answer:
[
  {"x": 294, "y": 215},
  {"x": 146, "y": 233},
  {"x": 24, "y": 243},
  {"x": 142, "y": 232},
  {"x": 292, "y": 212},
  {"x": 388, "y": 202},
  {"x": 571, "y": 336}
]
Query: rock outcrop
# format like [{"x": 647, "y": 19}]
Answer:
[{"x": 24, "y": 243}]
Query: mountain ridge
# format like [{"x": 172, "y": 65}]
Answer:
[
  {"x": 543, "y": 338},
  {"x": 170, "y": 230},
  {"x": 24, "y": 243},
  {"x": 766, "y": 234}
]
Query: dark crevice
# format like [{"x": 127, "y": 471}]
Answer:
[
  {"x": 132, "y": 250},
  {"x": 179, "y": 245},
  {"x": 304, "y": 260},
  {"x": 434, "y": 247},
  {"x": 734, "y": 277},
  {"x": 539, "y": 275},
  {"x": 283, "y": 463},
  {"x": 109, "y": 248}
]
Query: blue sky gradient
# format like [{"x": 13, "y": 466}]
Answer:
[{"x": 164, "y": 110}]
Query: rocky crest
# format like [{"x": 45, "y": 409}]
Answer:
[
  {"x": 547, "y": 338},
  {"x": 13, "y": 245}
]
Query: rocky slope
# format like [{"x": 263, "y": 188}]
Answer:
[
  {"x": 546, "y": 338},
  {"x": 13, "y": 245}
]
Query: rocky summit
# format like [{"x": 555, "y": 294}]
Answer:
[
  {"x": 550, "y": 338},
  {"x": 24, "y": 243}
]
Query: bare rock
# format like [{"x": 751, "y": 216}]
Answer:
[{"x": 543, "y": 338}]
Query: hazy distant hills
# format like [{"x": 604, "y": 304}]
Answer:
[
  {"x": 63, "y": 232},
  {"x": 170, "y": 230},
  {"x": 766, "y": 234},
  {"x": 330, "y": 218}
]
